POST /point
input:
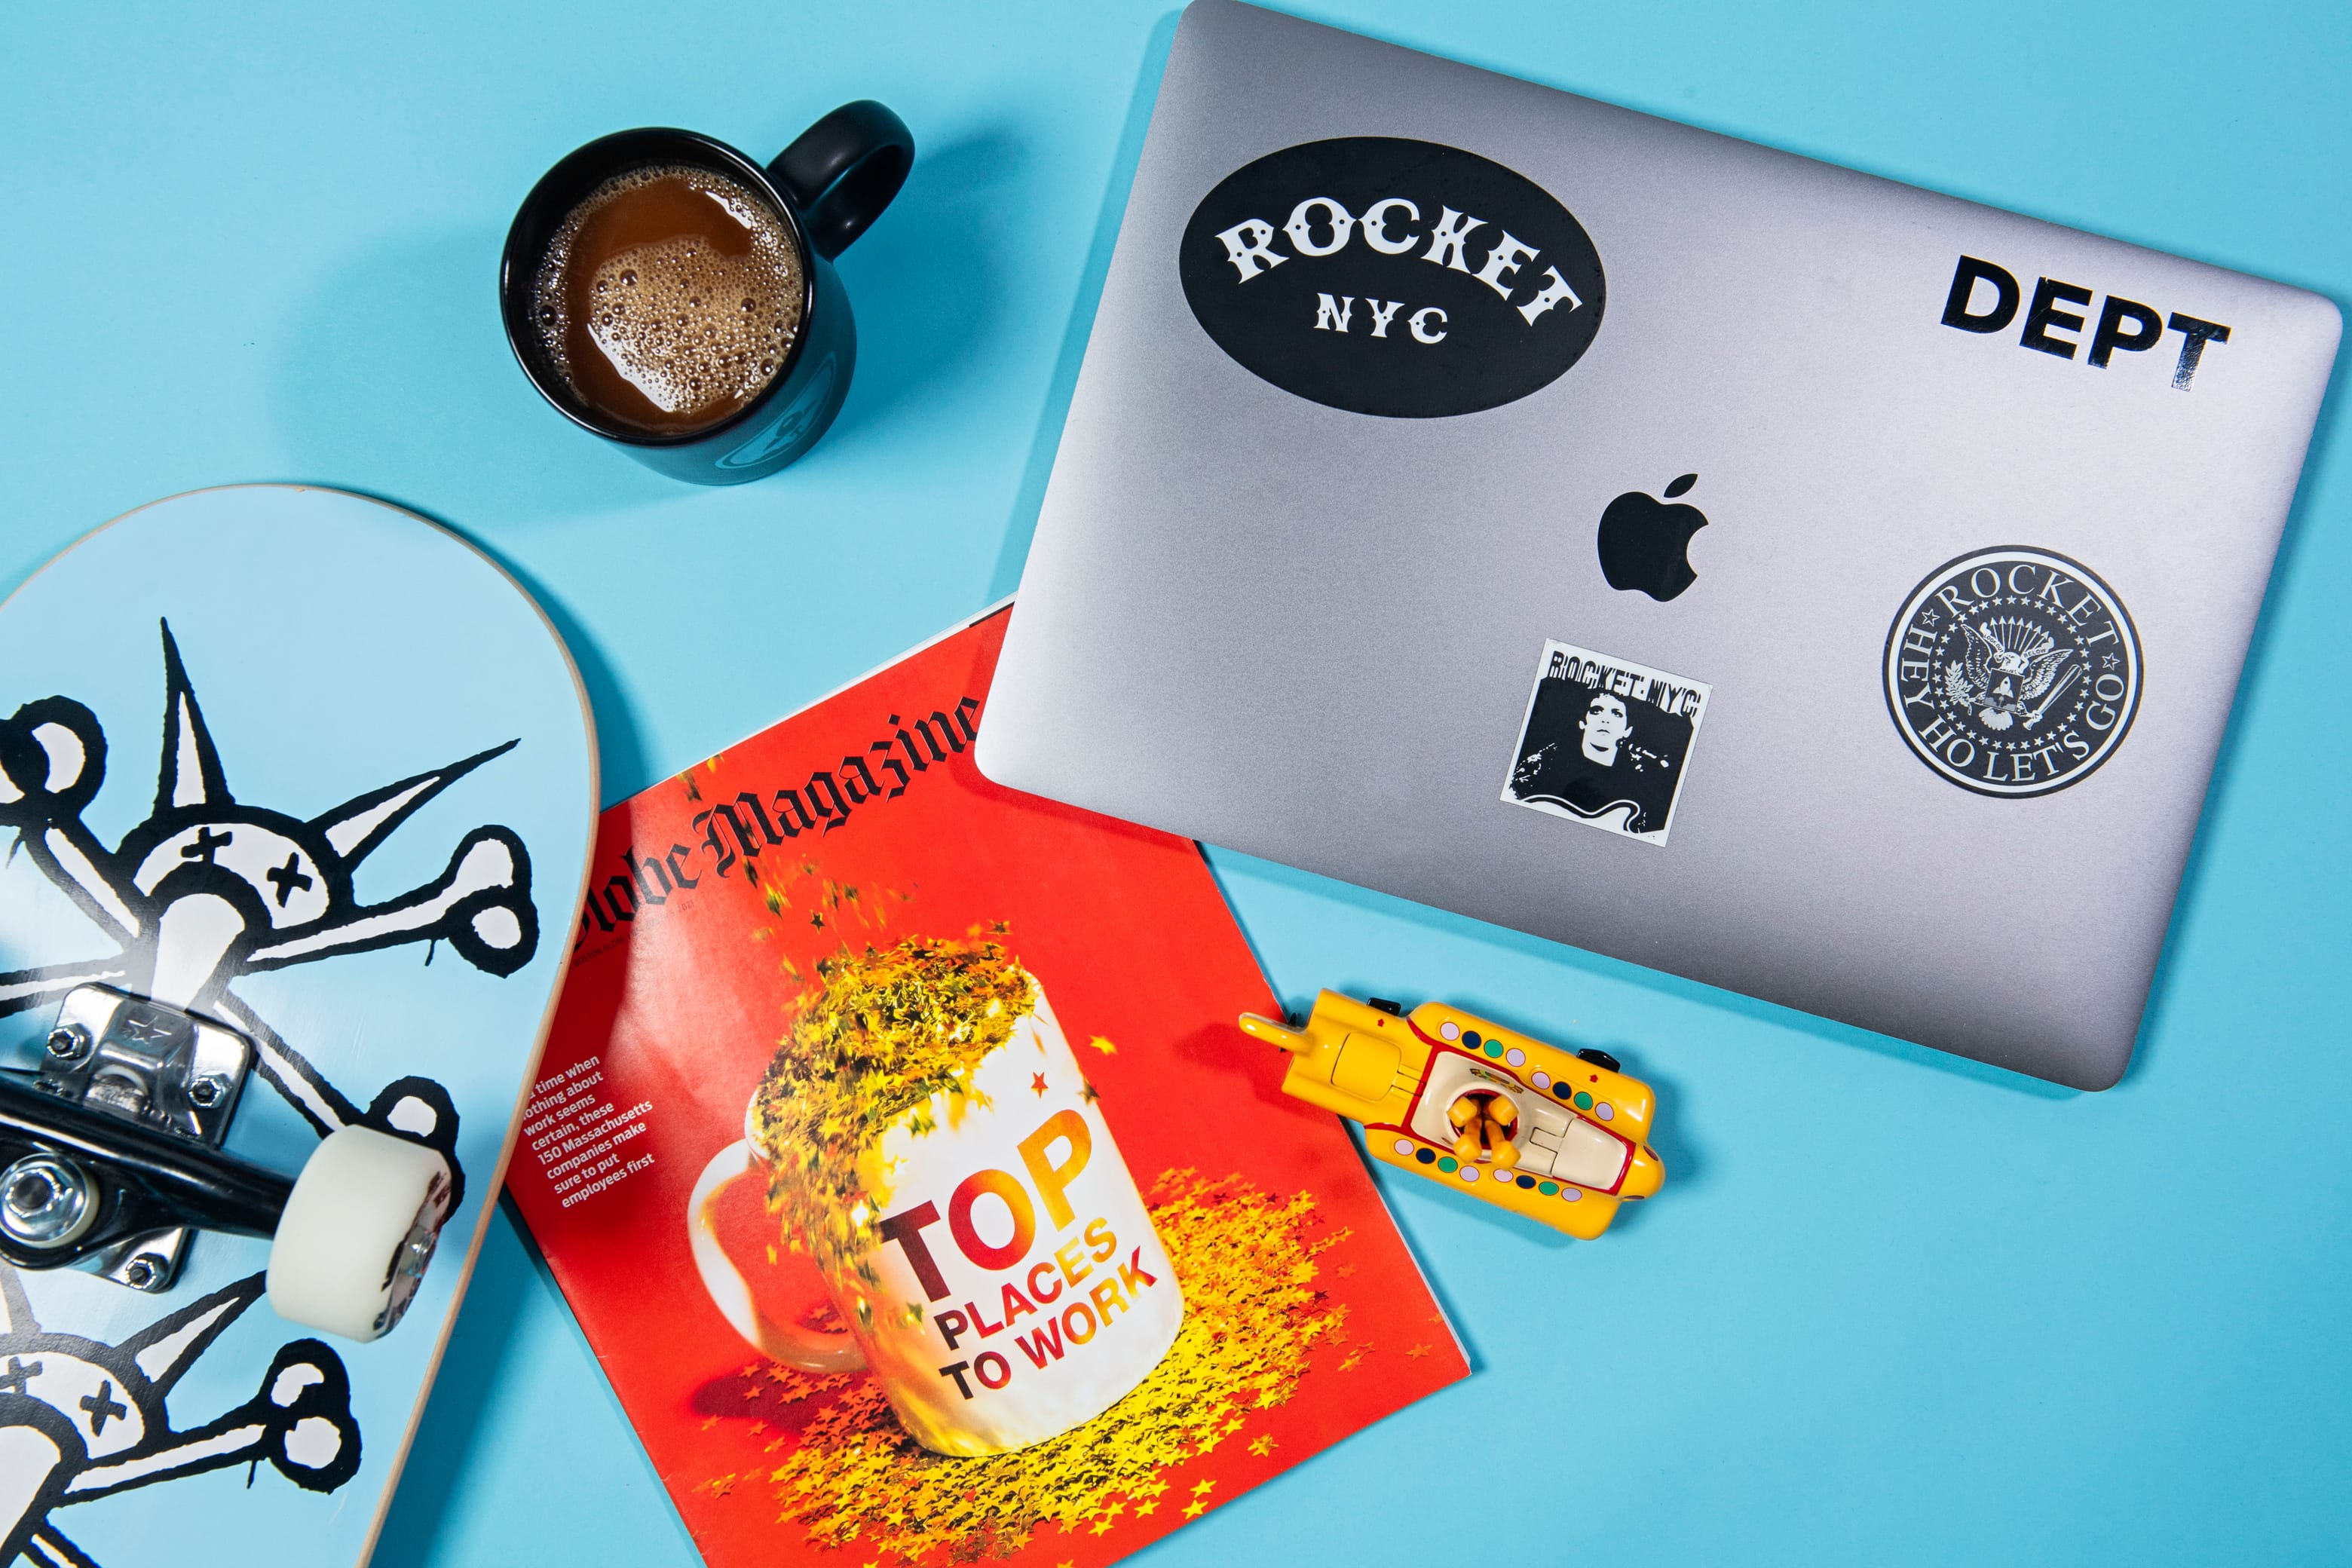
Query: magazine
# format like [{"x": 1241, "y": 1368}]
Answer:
[{"x": 899, "y": 1152}]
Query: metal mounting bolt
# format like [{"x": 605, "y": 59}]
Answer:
[
  {"x": 207, "y": 1092},
  {"x": 69, "y": 1042},
  {"x": 45, "y": 1201},
  {"x": 415, "y": 1252},
  {"x": 142, "y": 1272}
]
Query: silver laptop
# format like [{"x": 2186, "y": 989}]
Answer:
[{"x": 1811, "y": 586}]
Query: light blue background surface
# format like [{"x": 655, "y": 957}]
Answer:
[{"x": 1889, "y": 1309}]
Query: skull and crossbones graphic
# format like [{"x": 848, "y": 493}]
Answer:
[
  {"x": 81, "y": 1420},
  {"x": 206, "y": 889}
]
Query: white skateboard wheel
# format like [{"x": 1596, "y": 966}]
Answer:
[{"x": 357, "y": 1232}]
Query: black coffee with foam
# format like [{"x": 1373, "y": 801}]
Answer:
[{"x": 670, "y": 298}]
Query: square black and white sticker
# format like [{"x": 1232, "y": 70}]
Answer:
[{"x": 1606, "y": 741}]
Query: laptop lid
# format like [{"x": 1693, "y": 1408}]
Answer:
[{"x": 1779, "y": 576}]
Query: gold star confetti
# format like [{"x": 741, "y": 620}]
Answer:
[
  {"x": 1345, "y": 1272},
  {"x": 1417, "y": 1352},
  {"x": 1100, "y": 1527},
  {"x": 1104, "y": 1046},
  {"x": 1261, "y": 1446},
  {"x": 1355, "y": 1359},
  {"x": 1250, "y": 1322},
  {"x": 884, "y": 1032}
]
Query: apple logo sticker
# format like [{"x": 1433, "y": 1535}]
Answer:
[{"x": 1645, "y": 543}]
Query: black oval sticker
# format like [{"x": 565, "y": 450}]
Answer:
[{"x": 1392, "y": 277}]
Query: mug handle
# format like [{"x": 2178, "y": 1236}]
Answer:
[
  {"x": 788, "y": 1343},
  {"x": 843, "y": 170}
]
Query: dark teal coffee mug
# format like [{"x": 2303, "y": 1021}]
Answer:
[{"x": 825, "y": 189}]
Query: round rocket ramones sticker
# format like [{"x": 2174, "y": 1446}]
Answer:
[{"x": 2013, "y": 671}]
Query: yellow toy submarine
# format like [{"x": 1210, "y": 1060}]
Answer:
[{"x": 1561, "y": 1139}]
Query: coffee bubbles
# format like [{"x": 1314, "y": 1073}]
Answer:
[{"x": 670, "y": 298}]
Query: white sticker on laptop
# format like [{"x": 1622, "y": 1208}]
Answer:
[{"x": 1606, "y": 741}]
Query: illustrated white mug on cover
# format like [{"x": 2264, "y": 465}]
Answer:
[{"x": 1016, "y": 1289}]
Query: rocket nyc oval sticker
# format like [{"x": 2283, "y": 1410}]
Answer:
[{"x": 1392, "y": 277}]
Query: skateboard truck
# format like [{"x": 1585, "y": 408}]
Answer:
[
  {"x": 111, "y": 1157},
  {"x": 116, "y": 1146}
]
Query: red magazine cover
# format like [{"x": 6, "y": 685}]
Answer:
[{"x": 899, "y": 1152}]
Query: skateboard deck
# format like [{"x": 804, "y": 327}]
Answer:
[{"x": 311, "y": 767}]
